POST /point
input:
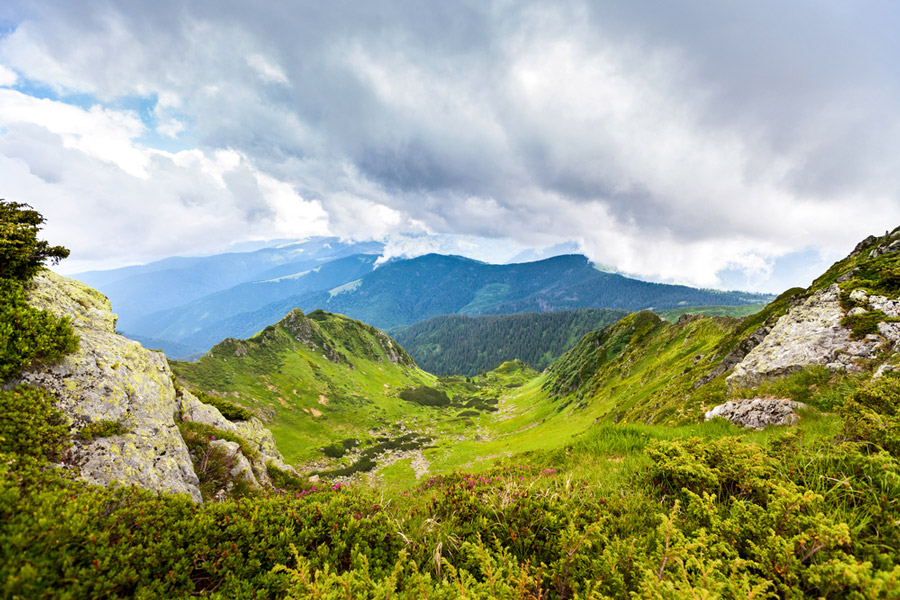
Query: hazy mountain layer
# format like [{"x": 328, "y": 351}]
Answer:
[{"x": 139, "y": 290}]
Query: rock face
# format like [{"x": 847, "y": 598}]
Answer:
[
  {"x": 757, "y": 413},
  {"x": 112, "y": 378},
  {"x": 252, "y": 431},
  {"x": 810, "y": 333}
]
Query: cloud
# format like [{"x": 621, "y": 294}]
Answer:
[
  {"x": 8, "y": 77},
  {"x": 674, "y": 140},
  {"x": 142, "y": 203}
]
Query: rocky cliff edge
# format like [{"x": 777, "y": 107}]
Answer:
[{"x": 111, "y": 379}]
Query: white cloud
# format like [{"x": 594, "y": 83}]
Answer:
[
  {"x": 8, "y": 77},
  {"x": 267, "y": 71},
  {"x": 114, "y": 202}
]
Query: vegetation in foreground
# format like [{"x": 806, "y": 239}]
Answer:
[{"x": 626, "y": 510}]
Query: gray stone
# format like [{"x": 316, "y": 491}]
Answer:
[
  {"x": 110, "y": 377},
  {"x": 810, "y": 333},
  {"x": 242, "y": 469},
  {"x": 859, "y": 296},
  {"x": 252, "y": 431},
  {"x": 758, "y": 413}
]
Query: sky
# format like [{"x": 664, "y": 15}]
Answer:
[{"x": 733, "y": 145}]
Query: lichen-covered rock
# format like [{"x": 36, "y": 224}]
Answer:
[
  {"x": 758, "y": 413},
  {"x": 242, "y": 469},
  {"x": 810, "y": 333},
  {"x": 252, "y": 431},
  {"x": 112, "y": 378}
]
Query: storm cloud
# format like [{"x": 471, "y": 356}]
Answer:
[{"x": 673, "y": 140}]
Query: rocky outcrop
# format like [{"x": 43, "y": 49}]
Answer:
[
  {"x": 810, "y": 333},
  {"x": 252, "y": 431},
  {"x": 111, "y": 378},
  {"x": 737, "y": 354},
  {"x": 758, "y": 413}
]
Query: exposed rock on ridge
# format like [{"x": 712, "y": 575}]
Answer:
[
  {"x": 112, "y": 378},
  {"x": 816, "y": 330},
  {"x": 810, "y": 333}
]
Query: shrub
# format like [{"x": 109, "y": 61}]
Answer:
[
  {"x": 31, "y": 425},
  {"x": 335, "y": 450},
  {"x": 29, "y": 335},
  {"x": 103, "y": 428},
  {"x": 863, "y": 324},
  {"x": 426, "y": 396},
  {"x": 21, "y": 254},
  {"x": 229, "y": 410},
  {"x": 870, "y": 415}
]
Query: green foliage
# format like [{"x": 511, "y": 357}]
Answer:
[
  {"x": 30, "y": 425},
  {"x": 103, "y": 428},
  {"x": 815, "y": 386},
  {"x": 287, "y": 481},
  {"x": 628, "y": 511},
  {"x": 865, "y": 323},
  {"x": 871, "y": 415},
  {"x": 229, "y": 410},
  {"x": 426, "y": 396},
  {"x": 213, "y": 464},
  {"x": 740, "y": 311},
  {"x": 335, "y": 450},
  {"x": 29, "y": 335},
  {"x": 21, "y": 254}
]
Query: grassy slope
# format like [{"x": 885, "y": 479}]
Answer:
[
  {"x": 672, "y": 314},
  {"x": 306, "y": 399}
]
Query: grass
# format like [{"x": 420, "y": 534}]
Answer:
[{"x": 740, "y": 311}]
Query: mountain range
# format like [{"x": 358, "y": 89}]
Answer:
[{"x": 185, "y": 306}]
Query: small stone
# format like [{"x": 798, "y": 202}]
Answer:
[{"x": 859, "y": 296}]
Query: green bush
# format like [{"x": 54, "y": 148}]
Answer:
[
  {"x": 871, "y": 414},
  {"x": 863, "y": 324},
  {"x": 28, "y": 335},
  {"x": 229, "y": 410},
  {"x": 31, "y": 425},
  {"x": 103, "y": 428},
  {"x": 335, "y": 450},
  {"x": 21, "y": 254},
  {"x": 426, "y": 396}
]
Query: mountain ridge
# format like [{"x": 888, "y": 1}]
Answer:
[{"x": 405, "y": 291}]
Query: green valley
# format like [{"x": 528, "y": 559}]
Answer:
[{"x": 465, "y": 345}]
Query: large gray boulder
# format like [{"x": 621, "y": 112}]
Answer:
[
  {"x": 111, "y": 378},
  {"x": 758, "y": 413}
]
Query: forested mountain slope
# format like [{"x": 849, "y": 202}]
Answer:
[{"x": 465, "y": 345}]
